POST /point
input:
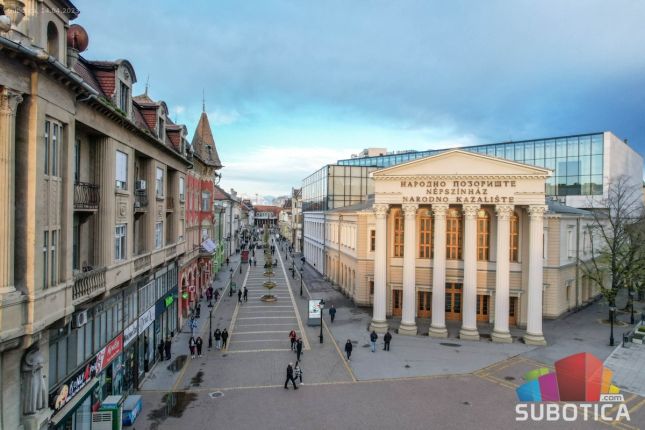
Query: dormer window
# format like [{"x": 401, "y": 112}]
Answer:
[
  {"x": 124, "y": 97},
  {"x": 52, "y": 39},
  {"x": 160, "y": 128}
]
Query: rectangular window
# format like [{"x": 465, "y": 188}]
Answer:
[
  {"x": 181, "y": 229},
  {"x": 398, "y": 233},
  {"x": 514, "y": 232},
  {"x": 371, "y": 288},
  {"x": 159, "y": 182},
  {"x": 454, "y": 231},
  {"x": 77, "y": 161},
  {"x": 372, "y": 240},
  {"x": 425, "y": 235},
  {"x": 206, "y": 198},
  {"x": 120, "y": 242},
  {"x": 54, "y": 258},
  {"x": 124, "y": 99},
  {"x": 55, "y": 142},
  {"x": 121, "y": 170},
  {"x": 160, "y": 128},
  {"x": 47, "y": 132},
  {"x": 45, "y": 258},
  {"x": 158, "y": 235},
  {"x": 571, "y": 247},
  {"x": 181, "y": 190}
]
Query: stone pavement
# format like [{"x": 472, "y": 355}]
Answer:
[
  {"x": 628, "y": 365},
  {"x": 164, "y": 374}
]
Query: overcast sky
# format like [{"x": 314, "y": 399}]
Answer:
[{"x": 292, "y": 85}]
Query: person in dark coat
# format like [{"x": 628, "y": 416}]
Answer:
[
  {"x": 290, "y": 377},
  {"x": 373, "y": 339},
  {"x": 239, "y": 296},
  {"x": 166, "y": 347},
  {"x": 218, "y": 339},
  {"x": 160, "y": 349},
  {"x": 198, "y": 343},
  {"x": 387, "y": 339},
  {"x": 246, "y": 294},
  {"x": 332, "y": 313},
  {"x": 227, "y": 261},
  {"x": 298, "y": 348},
  {"x": 224, "y": 338},
  {"x": 191, "y": 346},
  {"x": 348, "y": 348},
  {"x": 216, "y": 295}
]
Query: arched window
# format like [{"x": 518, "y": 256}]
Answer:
[
  {"x": 52, "y": 39},
  {"x": 515, "y": 237},
  {"x": 425, "y": 234},
  {"x": 398, "y": 232},
  {"x": 454, "y": 234},
  {"x": 483, "y": 235}
]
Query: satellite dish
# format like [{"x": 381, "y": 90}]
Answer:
[{"x": 77, "y": 38}]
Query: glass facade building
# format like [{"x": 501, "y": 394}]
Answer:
[
  {"x": 336, "y": 186},
  {"x": 576, "y": 161}
]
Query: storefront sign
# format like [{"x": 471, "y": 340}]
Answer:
[
  {"x": 169, "y": 300},
  {"x": 146, "y": 319},
  {"x": 453, "y": 191},
  {"x": 129, "y": 334},
  {"x": 94, "y": 367}
]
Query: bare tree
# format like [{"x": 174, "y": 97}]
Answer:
[{"x": 617, "y": 236}]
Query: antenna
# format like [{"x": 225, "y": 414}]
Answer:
[
  {"x": 147, "y": 84},
  {"x": 203, "y": 101}
]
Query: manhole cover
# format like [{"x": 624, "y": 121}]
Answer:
[
  {"x": 455, "y": 345},
  {"x": 215, "y": 394},
  {"x": 509, "y": 378}
]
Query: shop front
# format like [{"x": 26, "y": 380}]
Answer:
[{"x": 74, "y": 401}]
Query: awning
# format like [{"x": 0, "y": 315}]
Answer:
[
  {"x": 72, "y": 405},
  {"x": 208, "y": 246}
]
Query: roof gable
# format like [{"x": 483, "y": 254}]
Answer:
[
  {"x": 202, "y": 140},
  {"x": 459, "y": 162}
]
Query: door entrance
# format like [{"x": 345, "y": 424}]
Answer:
[
  {"x": 512, "y": 311},
  {"x": 397, "y": 300},
  {"x": 424, "y": 308},
  {"x": 482, "y": 307},
  {"x": 453, "y": 300}
]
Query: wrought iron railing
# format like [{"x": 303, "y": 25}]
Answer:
[
  {"x": 140, "y": 199},
  {"x": 86, "y": 195}
]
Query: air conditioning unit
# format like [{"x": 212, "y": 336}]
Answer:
[
  {"x": 102, "y": 420},
  {"x": 79, "y": 319},
  {"x": 137, "y": 205},
  {"x": 141, "y": 185}
]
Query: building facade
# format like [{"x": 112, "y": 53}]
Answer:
[
  {"x": 296, "y": 220},
  {"x": 201, "y": 259},
  {"x": 266, "y": 215},
  {"x": 94, "y": 228}
]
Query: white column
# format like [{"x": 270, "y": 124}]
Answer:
[
  {"x": 379, "y": 322},
  {"x": 9, "y": 101},
  {"x": 469, "y": 308},
  {"x": 438, "y": 326},
  {"x": 500, "y": 331},
  {"x": 408, "y": 323},
  {"x": 534, "y": 334}
]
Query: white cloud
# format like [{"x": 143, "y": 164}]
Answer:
[{"x": 221, "y": 117}]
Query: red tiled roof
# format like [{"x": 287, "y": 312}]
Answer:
[
  {"x": 82, "y": 69},
  {"x": 220, "y": 194},
  {"x": 204, "y": 137},
  {"x": 264, "y": 208}
]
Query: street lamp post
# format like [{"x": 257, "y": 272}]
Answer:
[
  {"x": 322, "y": 306},
  {"x": 631, "y": 299},
  {"x": 302, "y": 271},
  {"x": 293, "y": 268},
  {"x": 612, "y": 312},
  {"x": 230, "y": 284}
]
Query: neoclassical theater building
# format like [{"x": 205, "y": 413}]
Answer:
[{"x": 460, "y": 239}]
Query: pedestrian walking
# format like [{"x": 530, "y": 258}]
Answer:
[
  {"x": 239, "y": 296},
  {"x": 160, "y": 349},
  {"x": 373, "y": 338},
  {"x": 193, "y": 326},
  {"x": 227, "y": 261},
  {"x": 246, "y": 294},
  {"x": 348, "y": 348},
  {"x": 298, "y": 349},
  {"x": 198, "y": 343},
  {"x": 255, "y": 262},
  {"x": 290, "y": 377},
  {"x": 166, "y": 347},
  {"x": 216, "y": 295},
  {"x": 218, "y": 339},
  {"x": 297, "y": 372},
  {"x": 386, "y": 340},
  {"x": 332, "y": 313},
  {"x": 292, "y": 338},
  {"x": 191, "y": 346},
  {"x": 198, "y": 310},
  {"x": 224, "y": 338}
]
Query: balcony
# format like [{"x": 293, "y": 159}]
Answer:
[
  {"x": 86, "y": 196},
  {"x": 141, "y": 201},
  {"x": 142, "y": 263},
  {"x": 170, "y": 204},
  {"x": 88, "y": 284}
]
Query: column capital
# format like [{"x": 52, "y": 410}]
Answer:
[
  {"x": 9, "y": 100},
  {"x": 470, "y": 211},
  {"x": 537, "y": 211},
  {"x": 410, "y": 209},
  {"x": 380, "y": 209},
  {"x": 504, "y": 211},
  {"x": 440, "y": 209}
]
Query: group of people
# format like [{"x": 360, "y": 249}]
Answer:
[
  {"x": 164, "y": 348},
  {"x": 244, "y": 295},
  {"x": 221, "y": 337},
  {"x": 195, "y": 346},
  {"x": 296, "y": 344}
]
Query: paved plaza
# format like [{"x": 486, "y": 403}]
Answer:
[{"x": 421, "y": 383}]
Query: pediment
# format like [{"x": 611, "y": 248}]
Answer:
[{"x": 461, "y": 163}]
